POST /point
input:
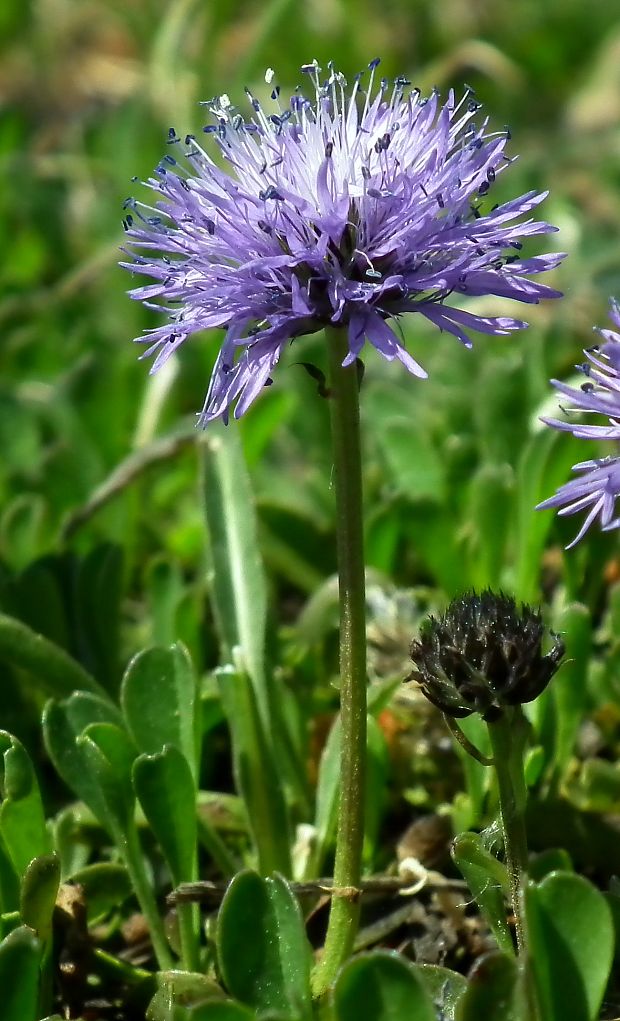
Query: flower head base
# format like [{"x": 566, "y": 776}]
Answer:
[
  {"x": 484, "y": 654},
  {"x": 597, "y": 486},
  {"x": 345, "y": 210}
]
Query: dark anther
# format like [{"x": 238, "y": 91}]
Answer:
[
  {"x": 484, "y": 187},
  {"x": 490, "y": 175},
  {"x": 440, "y": 201},
  {"x": 172, "y": 136},
  {"x": 516, "y": 244},
  {"x": 329, "y": 148},
  {"x": 270, "y": 193},
  {"x": 210, "y": 225}
]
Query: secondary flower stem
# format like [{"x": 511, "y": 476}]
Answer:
[
  {"x": 507, "y": 741},
  {"x": 132, "y": 853},
  {"x": 345, "y": 424}
]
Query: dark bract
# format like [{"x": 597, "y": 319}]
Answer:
[{"x": 483, "y": 654}]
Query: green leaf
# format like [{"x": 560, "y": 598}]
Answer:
[
  {"x": 8, "y": 921},
  {"x": 166, "y": 589},
  {"x": 488, "y": 881},
  {"x": 22, "y": 822},
  {"x": 97, "y": 606},
  {"x": 109, "y": 756},
  {"x": 225, "y": 1010},
  {"x": 256, "y": 776},
  {"x": 159, "y": 696},
  {"x": 495, "y": 992},
  {"x": 445, "y": 987},
  {"x": 415, "y": 467},
  {"x": 106, "y": 886},
  {"x": 377, "y": 772},
  {"x": 239, "y": 586},
  {"x": 177, "y": 992},
  {"x": 263, "y": 953},
  {"x": 326, "y": 811},
  {"x": 490, "y": 496},
  {"x": 571, "y": 942},
  {"x": 63, "y": 723},
  {"x": 382, "y": 986},
  {"x": 554, "y": 858},
  {"x": 53, "y": 669},
  {"x": 569, "y": 691},
  {"x": 39, "y": 890},
  {"x": 9, "y": 882},
  {"x": 20, "y": 961},
  {"x": 544, "y": 465},
  {"x": 165, "y": 789}
]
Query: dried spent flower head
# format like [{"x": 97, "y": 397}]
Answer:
[
  {"x": 482, "y": 655},
  {"x": 597, "y": 486},
  {"x": 346, "y": 210}
]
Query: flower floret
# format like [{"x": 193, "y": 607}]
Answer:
[{"x": 347, "y": 210}]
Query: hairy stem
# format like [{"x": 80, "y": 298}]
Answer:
[
  {"x": 507, "y": 741},
  {"x": 345, "y": 424}
]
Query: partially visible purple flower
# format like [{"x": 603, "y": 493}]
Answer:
[
  {"x": 598, "y": 483},
  {"x": 346, "y": 210}
]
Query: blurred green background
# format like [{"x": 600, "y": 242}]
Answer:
[{"x": 453, "y": 466}]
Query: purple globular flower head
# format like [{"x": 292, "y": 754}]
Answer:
[
  {"x": 597, "y": 485},
  {"x": 344, "y": 210}
]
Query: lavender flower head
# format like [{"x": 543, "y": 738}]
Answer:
[
  {"x": 346, "y": 210},
  {"x": 597, "y": 485}
]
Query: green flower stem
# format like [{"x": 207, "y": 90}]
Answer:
[
  {"x": 189, "y": 923},
  {"x": 213, "y": 843},
  {"x": 132, "y": 853},
  {"x": 344, "y": 914},
  {"x": 508, "y": 735}
]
